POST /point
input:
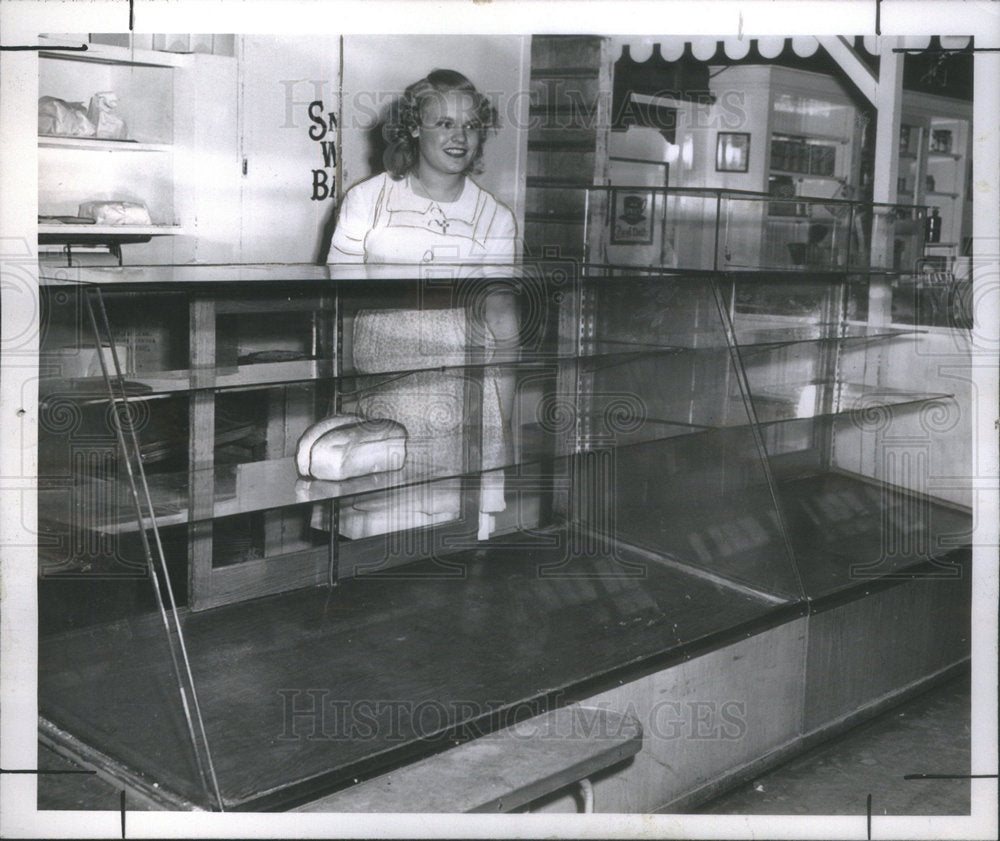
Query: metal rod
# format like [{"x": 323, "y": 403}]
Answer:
[
  {"x": 159, "y": 546},
  {"x": 744, "y": 384}
]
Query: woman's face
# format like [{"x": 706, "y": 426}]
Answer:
[{"x": 448, "y": 135}]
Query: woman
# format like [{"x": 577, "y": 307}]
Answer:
[{"x": 426, "y": 210}]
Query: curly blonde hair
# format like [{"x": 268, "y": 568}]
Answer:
[{"x": 403, "y": 148}]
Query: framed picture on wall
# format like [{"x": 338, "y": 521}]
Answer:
[
  {"x": 732, "y": 151},
  {"x": 632, "y": 217}
]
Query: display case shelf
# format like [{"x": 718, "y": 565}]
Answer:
[
  {"x": 797, "y": 401},
  {"x": 222, "y": 378},
  {"x": 272, "y": 484},
  {"x": 593, "y": 357}
]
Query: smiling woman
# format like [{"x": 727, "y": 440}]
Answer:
[{"x": 426, "y": 211}]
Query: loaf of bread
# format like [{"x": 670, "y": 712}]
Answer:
[
  {"x": 59, "y": 118},
  {"x": 103, "y": 113},
  {"x": 344, "y": 446},
  {"x": 116, "y": 212}
]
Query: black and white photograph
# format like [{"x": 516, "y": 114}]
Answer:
[{"x": 484, "y": 420}]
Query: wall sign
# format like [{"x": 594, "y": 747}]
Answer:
[
  {"x": 632, "y": 217},
  {"x": 324, "y": 125}
]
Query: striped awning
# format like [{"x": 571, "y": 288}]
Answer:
[
  {"x": 656, "y": 64},
  {"x": 708, "y": 49}
]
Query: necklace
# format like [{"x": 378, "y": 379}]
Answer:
[{"x": 438, "y": 217}]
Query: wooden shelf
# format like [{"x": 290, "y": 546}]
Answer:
[
  {"x": 72, "y": 170},
  {"x": 795, "y": 134},
  {"x": 109, "y": 54},
  {"x": 110, "y": 231},
  {"x": 798, "y": 174},
  {"x": 100, "y": 144}
]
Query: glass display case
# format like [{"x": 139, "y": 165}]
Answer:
[{"x": 674, "y": 468}]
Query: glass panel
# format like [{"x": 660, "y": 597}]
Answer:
[
  {"x": 149, "y": 333},
  {"x": 674, "y": 486},
  {"x": 246, "y": 538},
  {"x": 791, "y": 232},
  {"x": 934, "y": 297},
  {"x": 897, "y": 236},
  {"x": 844, "y": 529},
  {"x": 82, "y": 478}
]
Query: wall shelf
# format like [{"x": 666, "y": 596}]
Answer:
[
  {"x": 105, "y": 233},
  {"x": 93, "y": 144},
  {"x": 807, "y": 175}
]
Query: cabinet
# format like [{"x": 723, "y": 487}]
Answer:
[
  {"x": 813, "y": 151},
  {"x": 934, "y": 165},
  {"x": 138, "y": 168},
  {"x": 167, "y": 161},
  {"x": 673, "y": 482},
  {"x": 804, "y": 142},
  {"x": 935, "y": 171}
]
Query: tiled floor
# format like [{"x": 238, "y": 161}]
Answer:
[{"x": 930, "y": 734}]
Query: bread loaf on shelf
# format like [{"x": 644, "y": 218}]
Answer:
[
  {"x": 116, "y": 212},
  {"x": 344, "y": 446}
]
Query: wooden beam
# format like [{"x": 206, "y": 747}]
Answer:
[
  {"x": 857, "y": 71},
  {"x": 889, "y": 105},
  {"x": 885, "y": 92}
]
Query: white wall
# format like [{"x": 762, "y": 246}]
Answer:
[
  {"x": 280, "y": 75},
  {"x": 378, "y": 68}
]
